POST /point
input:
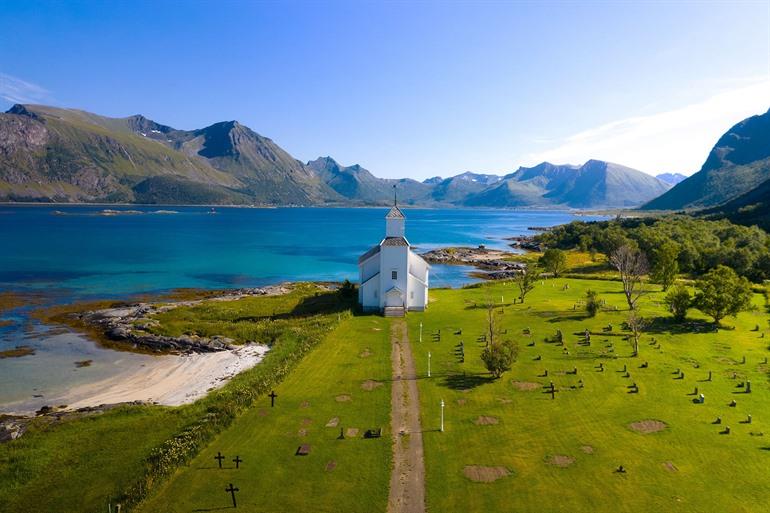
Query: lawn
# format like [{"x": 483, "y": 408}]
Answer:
[
  {"x": 347, "y": 377},
  {"x": 562, "y": 454}
]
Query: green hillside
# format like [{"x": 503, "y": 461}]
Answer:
[{"x": 739, "y": 162}]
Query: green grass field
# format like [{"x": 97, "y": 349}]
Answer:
[
  {"x": 347, "y": 475},
  {"x": 687, "y": 467},
  {"x": 560, "y": 454},
  {"x": 80, "y": 464}
]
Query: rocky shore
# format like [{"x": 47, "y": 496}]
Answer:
[
  {"x": 492, "y": 262},
  {"x": 133, "y": 323}
]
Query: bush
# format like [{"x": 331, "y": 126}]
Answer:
[
  {"x": 499, "y": 356},
  {"x": 679, "y": 301},
  {"x": 593, "y": 303}
]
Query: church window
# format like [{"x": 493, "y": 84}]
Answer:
[
  {"x": 394, "y": 275},
  {"x": 411, "y": 295}
]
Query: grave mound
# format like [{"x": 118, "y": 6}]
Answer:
[
  {"x": 648, "y": 426},
  {"x": 525, "y": 386},
  {"x": 561, "y": 460},
  {"x": 484, "y": 420},
  {"x": 587, "y": 449},
  {"x": 342, "y": 398},
  {"x": 669, "y": 465},
  {"x": 370, "y": 385},
  {"x": 481, "y": 474}
]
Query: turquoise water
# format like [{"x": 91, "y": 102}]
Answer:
[
  {"x": 90, "y": 254},
  {"x": 69, "y": 253}
]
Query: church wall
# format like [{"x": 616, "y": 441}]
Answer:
[{"x": 393, "y": 258}]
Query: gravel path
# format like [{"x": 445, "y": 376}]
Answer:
[{"x": 407, "y": 480}]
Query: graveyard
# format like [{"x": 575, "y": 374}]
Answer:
[{"x": 577, "y": 423}]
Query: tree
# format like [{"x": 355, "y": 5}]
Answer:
[
  {"x": 493, "y": 329},
  {"x": 593, "y": 304},
  {"x": 722, "y": 292},
  {"x": 679, "y": 301},
  {"x": 554, "y": 261},
  {"x": 632, "y": 265},
  {"x": 636, "y": 324},
  {"x": 665, "y": 264},
  {"x": 499, "y": 356},
  {"x": 525, "y": 280}
]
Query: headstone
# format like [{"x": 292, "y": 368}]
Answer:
[
  {"x": 748, "y": 419},
  {"x": 219, "y": 458},
  {"x": 231, "y": 490},
  {"x": 709, "y": 376},
  {"x": 702, "y": 399},
  {"x": 748, "y": 387},
  {"x": 733, "y": 403},
  {"x": 237, "y": 462},
  {"x": 303, "y": 450},
  {"x": 272, "y": 397}
]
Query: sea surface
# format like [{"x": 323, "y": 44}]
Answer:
[{"x": 72, "y": 253}]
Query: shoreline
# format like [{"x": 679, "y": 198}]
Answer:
[{"x": 169, "y": 380}]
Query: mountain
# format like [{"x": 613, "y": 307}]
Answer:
[
  {"x": 671, "y": 178},
  {"x": 358, "y": 185},
  {"x": 457, "y": 188},
  {"x": 739, "y": 162},
  {"x": 751, "y": 208},
  {"x": 595, "y": 184},
  {"x": 54, "y": 154},
  {"x": 68, "y": 155}
]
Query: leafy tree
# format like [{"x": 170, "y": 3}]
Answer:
[
  {"x": 679, "y": 301},
  {"x": 722, "y": 292},
  {"x": 525, "y": 281},
  {"x": 665, "y": 265},
  {"x": 632, "y": 265},
  {"x": 554, "y": 261},
  {"x": 499, "y": 356},
  {"x": 593, "y": 304}
]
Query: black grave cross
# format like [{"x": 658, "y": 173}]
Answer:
[
  {"x": 237, "y": 461},
  {"x": 219, "y": 458},
  {"x": 231, "y": 490},
  {"x": 272, "y": 395}
]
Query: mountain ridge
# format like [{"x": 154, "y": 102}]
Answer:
[{"x": 69, "y": 155}]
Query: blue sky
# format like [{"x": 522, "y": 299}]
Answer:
[{"x": 404, "y": 88}]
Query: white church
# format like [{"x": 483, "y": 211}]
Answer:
[{"x": 393, "y": 278}]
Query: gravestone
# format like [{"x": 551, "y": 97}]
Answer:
[
  {"x": 231, "y": 490},
  {"x": 303, "y": 450},
  {"x": 748, "y": 387},
  {"x": 219, "y": 458},
  {"x": 237, "y": 461},
  {"x": 272, "y": 395}
]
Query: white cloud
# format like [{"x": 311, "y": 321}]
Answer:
[
  {"x": 16, "y": 90},
  {"x": 674, "y": 141}
]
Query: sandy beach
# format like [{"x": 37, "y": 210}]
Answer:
[{"x": 169, "y": 380}]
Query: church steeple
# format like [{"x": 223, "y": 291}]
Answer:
[{"x": 394, "y": 220}]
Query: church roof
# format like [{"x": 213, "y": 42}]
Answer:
[
  {"x": 366, "y": 256},
  {"x": 395, "y": 213},
  {"x": 394, "y": 241}
]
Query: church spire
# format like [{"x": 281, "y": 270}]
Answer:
[{"x": 395, "y": 198}]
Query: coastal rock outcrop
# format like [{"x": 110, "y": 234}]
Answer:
[{"x": 133, "y": 323}]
